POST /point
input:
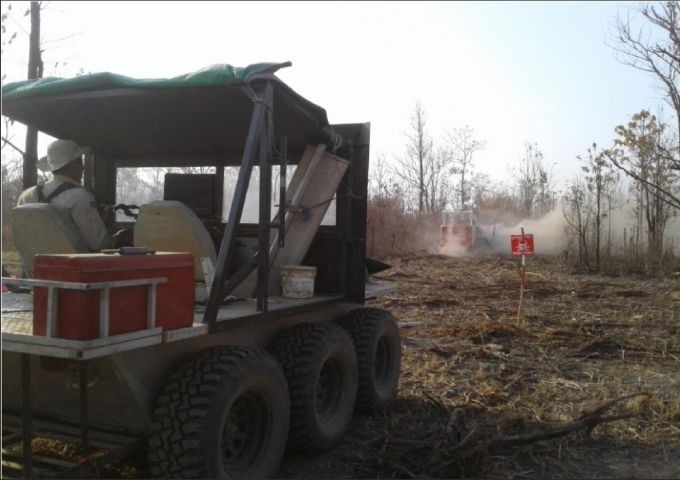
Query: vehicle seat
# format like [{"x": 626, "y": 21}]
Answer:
[
  {"x": 171, "y": 226},
  {"x": 42, "y": 228}
]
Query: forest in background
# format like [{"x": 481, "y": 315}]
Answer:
[{"x": 619, "y": 215}]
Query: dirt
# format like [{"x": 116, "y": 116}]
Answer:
[
  {"x": 476, "y": 381},
  {"x": 471, "y": 370}
]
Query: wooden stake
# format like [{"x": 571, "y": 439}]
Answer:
[{"x": 522, "y": 276}]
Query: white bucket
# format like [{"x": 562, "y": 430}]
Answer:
[{"x": 297, "y": 281}]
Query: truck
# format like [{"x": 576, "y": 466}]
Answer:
[
  {"x": 254, "y": 373},
  {"x": 460, "y": 230}
]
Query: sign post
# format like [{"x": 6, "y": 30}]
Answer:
[{"x": 521, "y": 246}]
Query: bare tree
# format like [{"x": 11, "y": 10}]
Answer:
[
  {"x": 35, "y": 70},
  {"x": 378, "y": 177},
  {"x": 577, "y": 210},
  {"x": 656, "y": 50},
  {"x": 419, "y": 154},
  {"x": 463, "y": 147},
  {"x": 600, "y": 180},
  {"x": 534, "y": 183},
  {"x": 437, "y": 182},
  {"x": 641, "y": 149}
]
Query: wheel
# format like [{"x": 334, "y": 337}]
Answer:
[
  {"x": 224, "y": 413},
  {"x": 378, "y": 346},
  {"x": 321, "y": 367}
]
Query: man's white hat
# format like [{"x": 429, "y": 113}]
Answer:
[{"x": 62, "y": 152}]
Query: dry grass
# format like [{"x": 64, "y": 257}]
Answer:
[{"x": 471, "y": 376}]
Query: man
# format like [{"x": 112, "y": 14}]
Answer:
[{"x": 65, "y": 192}]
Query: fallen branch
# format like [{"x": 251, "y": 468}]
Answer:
[
  {"x": 468, "y": 447},
  {"x": 588, "y": 424},
  {"x": 587, "y": 421}
]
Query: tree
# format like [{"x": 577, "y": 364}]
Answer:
[
  {"x": 437, "y": 183},
  {"x": 656, "y": 50},
  {"x": 534, "y": 183},
  {"x": 463, "y": 146},
  {"x": 600, "y": 180},
  {"x": 35, "y": 70},
  {"x": 378, "y": 177},
  {"x": 577, "y": 210},
  {"x": 641, "y": 151},
  {"x": 419, "y": 157}
]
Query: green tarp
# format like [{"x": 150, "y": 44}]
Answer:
[{"x": 214, "y": 75}]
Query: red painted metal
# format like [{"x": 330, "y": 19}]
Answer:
[
  {"x": 78, "y": 311},
  {"x": 522, "y": 244}
]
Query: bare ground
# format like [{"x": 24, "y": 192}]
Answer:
[
  {"x": 473, "y": 378},
  {"x": 476, "y": 384}
]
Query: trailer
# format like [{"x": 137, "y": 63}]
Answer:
[{"x": 253, "y": 374}]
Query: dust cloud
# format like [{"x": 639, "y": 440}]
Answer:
[
  {"x": 551, "y": 235},
  {"x": 548, "y": 231}
]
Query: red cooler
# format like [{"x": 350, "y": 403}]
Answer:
[{"x": 78, "y": 311}]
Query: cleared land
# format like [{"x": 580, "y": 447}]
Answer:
[
  {"x": 479, "y": 391},
  {"x": 476, "y": 387}
]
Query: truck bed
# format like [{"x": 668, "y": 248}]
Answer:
[{"x": 17, "y": 325}]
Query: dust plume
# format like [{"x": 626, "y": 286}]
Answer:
[{"x": 548, "y": 231}]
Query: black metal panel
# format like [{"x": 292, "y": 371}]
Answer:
[
  {"x": 265, "y": 318},
  {"x": 323, "y": 254},
  {"x": 353, "y": 209},
  {"x": 196, "y": 191},
  {"x": 104, "y": 180}
]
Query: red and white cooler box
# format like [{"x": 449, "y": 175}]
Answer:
[{"x": 78, "y": 311}]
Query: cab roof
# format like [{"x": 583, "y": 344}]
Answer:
[{"x": 203, "y": 114}]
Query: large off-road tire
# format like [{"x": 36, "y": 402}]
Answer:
[
  {"x": 321, "y": 367},
  {"x": 224, "y": 413},
  {"x": 378, "y": 346}
]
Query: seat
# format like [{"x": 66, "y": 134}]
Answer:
[
  {"x": 171, "y": 226},
  {"x": 42, "y": 228}
]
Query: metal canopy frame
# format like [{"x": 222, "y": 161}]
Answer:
[
  {"x": 351, "y": 226},
  {"x": 259, "y": 143},
  {"x": 349, "y": 241}
]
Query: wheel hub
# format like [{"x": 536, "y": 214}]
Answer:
[
  {"x": 245, "y": 431},
  {"x": 329, "y": 387}
]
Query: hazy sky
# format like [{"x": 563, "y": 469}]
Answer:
[{"x": 514, "y": 71}]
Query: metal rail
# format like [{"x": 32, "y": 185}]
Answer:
[
  {"x": 53, "y": 288},
  {"x": 110, "y": 445}
]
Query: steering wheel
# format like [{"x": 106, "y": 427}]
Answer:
[{"x": 127, "y": 209}]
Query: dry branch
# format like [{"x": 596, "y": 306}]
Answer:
[{"x": 447, "y": 456}]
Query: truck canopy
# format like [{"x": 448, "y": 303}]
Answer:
[{"x": 199, "y": 114}]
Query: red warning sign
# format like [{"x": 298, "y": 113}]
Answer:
[{"x": 522, "y": 244}]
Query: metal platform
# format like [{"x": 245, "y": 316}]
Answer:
[
  {"x": 17, "y": 325},
  {"x": 17, "y": 336}
]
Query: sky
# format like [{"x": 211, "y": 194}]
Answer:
[{"x": 515, "y": 72}]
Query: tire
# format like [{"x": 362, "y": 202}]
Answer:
[
  {"x": 321, "y": 367},
  {"x": 378, "y": 346},
  {"x": 224, "y": 413}
]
